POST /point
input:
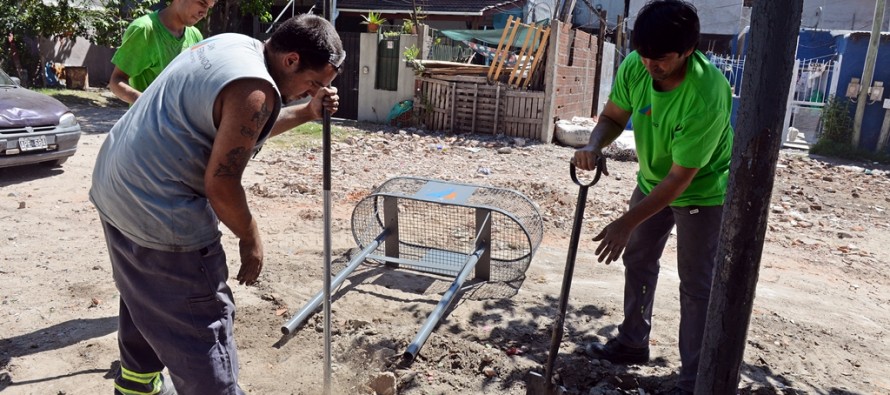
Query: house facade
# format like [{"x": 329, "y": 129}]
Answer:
[
  {"x": 438, "y": 14},
  {"x": 841, "y": 15}
]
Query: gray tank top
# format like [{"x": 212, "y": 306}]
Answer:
[{"x": 148, "y": 181}]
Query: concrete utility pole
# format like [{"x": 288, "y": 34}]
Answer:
[
  {"x": 766, "y": 82},
  {"x": 869, "y": 71},
  {"x": 885, "y": 128}
]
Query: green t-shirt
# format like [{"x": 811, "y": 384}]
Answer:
[
  {"x": 148, "y": 47},
  {"x": 688, "y": 125}
]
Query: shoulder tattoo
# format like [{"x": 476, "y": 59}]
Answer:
[{"x": 258, "y": 119}]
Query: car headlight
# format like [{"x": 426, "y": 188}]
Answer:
[{"x": 67, "y": 120}]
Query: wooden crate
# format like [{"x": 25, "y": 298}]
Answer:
[{"x": 461, "y": 105}]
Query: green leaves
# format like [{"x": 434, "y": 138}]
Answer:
[
  {"x": 109, "y": 23},
  {"x": 373, "y": 18},
  {"x": 257, "y": 8},
  {"x": 52, "y": 19}
]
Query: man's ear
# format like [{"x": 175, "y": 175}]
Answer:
[{"x": 292, "y": 61}]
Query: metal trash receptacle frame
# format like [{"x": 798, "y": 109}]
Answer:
[{"x": 443, "y": 228}]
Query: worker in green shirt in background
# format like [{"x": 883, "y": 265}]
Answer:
[
  {"x": 150, "y": 44},
  {"x": 680, "y": 105}
]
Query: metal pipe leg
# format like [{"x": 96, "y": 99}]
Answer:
[
  {"x": 434, "y": 317},
  {"x": 313, "y": 304}
]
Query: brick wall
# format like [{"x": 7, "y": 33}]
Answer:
[{"x": 575, "y": 72}]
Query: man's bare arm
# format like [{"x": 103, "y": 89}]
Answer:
[
  {"x": 119, "y": 84},
  {"x": 609, "y": 126},
  {"x": 292, "y": 116},
  {"x": 241, "y": 110},
  {"x": 615, "y": 236}
]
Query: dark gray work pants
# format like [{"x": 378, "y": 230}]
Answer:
[
  {"x": 175, "y": 311},
  {"x": 698, "y": 232}
]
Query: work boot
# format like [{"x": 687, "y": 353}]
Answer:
[
  {"x": 615, "y": 352},
  {"x": 166, "y": 388}
]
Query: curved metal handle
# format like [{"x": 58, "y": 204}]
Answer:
[{"x": 596, "y": 177}]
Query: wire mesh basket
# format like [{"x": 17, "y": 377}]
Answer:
[
  {"x": 443, "y": 228},
  {"x": 438, "y": 224}
]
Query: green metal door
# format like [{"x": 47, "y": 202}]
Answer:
[{"x": 388, "y": 62}]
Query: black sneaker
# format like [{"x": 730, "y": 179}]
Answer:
[{"x": 615, "y": 352}]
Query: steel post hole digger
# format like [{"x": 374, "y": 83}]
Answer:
[{"x": 536, "y": 383}]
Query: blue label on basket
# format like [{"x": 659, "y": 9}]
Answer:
[{"x": 446, "y": 193}]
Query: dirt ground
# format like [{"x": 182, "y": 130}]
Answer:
[{"x": 818, "y": 325}]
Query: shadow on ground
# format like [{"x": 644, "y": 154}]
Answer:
[{"x": 52, "y": 338}]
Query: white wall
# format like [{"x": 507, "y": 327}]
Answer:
[
  {"x": 373, "y": 104},
  {"x": 607, "y": 76},
  {"x": 583, "y": 16},
  {"x": 80, "y": 52},
  {"x": 841, "y": 15},
  {"x": 715, "y": 16},
  {"x": 536, "y": 10},
  {"x": 725, "y": 16}
]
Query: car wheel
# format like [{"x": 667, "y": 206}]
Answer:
[{"x": 55, "y": 163}]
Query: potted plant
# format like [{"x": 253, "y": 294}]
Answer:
[
  {"x": 408, "y": 27},
  {"x": 373, "y": 20},
  {"x": 412, "y": 58},
  {"x": 416, "y": 16}
]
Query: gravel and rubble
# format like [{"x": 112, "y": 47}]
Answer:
[
  {"x": 818, "y": 323},
  {"x": 822, "y": 213}
]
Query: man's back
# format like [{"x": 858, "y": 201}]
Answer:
[{"x": 149, "y": 177}]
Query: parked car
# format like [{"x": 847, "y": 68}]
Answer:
[{"x": 34, "y": 128}]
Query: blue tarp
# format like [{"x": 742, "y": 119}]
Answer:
[{"x": 493, "y": 37}]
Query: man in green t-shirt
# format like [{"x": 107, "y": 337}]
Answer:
[
  {"x": 680, "y": 106},
  {"x": 150, "y": 44}
]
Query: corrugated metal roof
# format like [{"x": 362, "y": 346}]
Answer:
[{"x": 451, "y": 7}]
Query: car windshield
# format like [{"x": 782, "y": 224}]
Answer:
[{"x": 5, "y": 80}]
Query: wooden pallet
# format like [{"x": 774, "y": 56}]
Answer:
[
  {"x": 528, "y": 57},
  {"x": 474, "y": 107}
]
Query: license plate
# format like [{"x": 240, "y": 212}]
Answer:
[{"x": 32, "y": 143}]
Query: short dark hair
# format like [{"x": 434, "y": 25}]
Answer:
[
  {"x": 311, "y": 36},
  {"x": 665, "y": 26}
]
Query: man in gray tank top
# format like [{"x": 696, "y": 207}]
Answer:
[{"x": 170, "y": 171}]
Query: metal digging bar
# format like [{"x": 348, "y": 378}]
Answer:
[
  {"x": 441, "y": 228},
  {"x": 326, "y": 170}
]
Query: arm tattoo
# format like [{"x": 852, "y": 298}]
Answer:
[
  {"x": 235, "y": 162},
  {"x": 247, "y": 132},
  {"x": 259, "y": 119}
]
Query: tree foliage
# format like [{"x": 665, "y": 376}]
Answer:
[
  {"x": 41, "y": 19},
  {"x": 111, "y": 22},
  {"x": 225, "y": 16},
  {"x": 102, "y": 22},
  {"x": 257, "y": 8}
]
